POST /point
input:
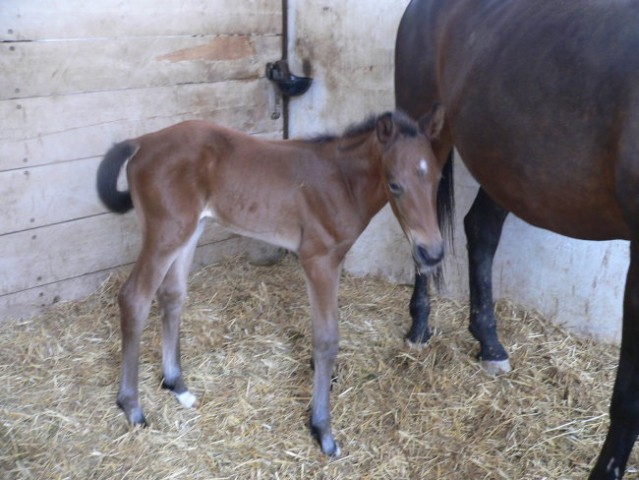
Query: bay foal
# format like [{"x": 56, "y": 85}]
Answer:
[{"x": 314, "y": 197}]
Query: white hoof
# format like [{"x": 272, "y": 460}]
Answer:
[
  {"x": 337, "y": 453},
  {"x": 496, "y": 367},
  {"x": 186, "y": 399},
  {"x": 415, "y": 346}
]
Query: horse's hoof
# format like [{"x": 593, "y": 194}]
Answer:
[
  {"x": 496, "y": 367},
  {"x": 330, "y": 448},
  {"x": 326, "y": 441},
  {"x": 187, "y": 399},
  {"x": 418, "y": 338},
  {"x": 419, "y": 346},
  {"x": 135, "y": 416}
]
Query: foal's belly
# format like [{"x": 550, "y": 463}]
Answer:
[{"x": 259, "y": 226}]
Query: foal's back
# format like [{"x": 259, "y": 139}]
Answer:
[{"x": 268, "y": 189}]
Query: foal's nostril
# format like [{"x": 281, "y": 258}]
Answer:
[{"x": 429, "y": 256}]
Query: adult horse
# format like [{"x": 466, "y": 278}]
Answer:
[
  {"x": 541, "y": 99},
  {"x": 314, "y": 197}
]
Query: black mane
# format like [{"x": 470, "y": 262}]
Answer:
[{"x": 406, "y": 126}]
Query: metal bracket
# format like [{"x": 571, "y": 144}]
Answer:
[{"x": 288, "y": 84}]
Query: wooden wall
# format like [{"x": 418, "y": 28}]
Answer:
[{"x": 77, "y": 76}]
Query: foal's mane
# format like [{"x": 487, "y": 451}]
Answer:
[{"x": 405, "y": 124}]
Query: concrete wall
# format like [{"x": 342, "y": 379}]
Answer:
[{"x": 349, "y": 47}]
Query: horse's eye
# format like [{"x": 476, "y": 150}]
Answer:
[{"x": 395, "y": 188}]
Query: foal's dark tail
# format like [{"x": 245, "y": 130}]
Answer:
[
  {"x": 107, "y": 179},
  {"x": 446, "y": 210}
]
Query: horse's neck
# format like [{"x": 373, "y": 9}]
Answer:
[{"x": 362, "y": 171}]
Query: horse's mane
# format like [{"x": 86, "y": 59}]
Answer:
[{"x": 405, "y": 124}]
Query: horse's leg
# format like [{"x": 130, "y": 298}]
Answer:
[
  {"x": 419, "y": 308},
  {"x": 135, "y": 302},
  {"x": 322, "y": 280},
  {"x": 171, "y": 296},
  {"x": 483, "y": 225},
  {"x": 624, "y": 406}
]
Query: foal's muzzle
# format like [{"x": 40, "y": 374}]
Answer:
[{"x": 427, "y": 257}]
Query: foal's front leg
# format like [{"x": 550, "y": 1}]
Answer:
[{"x": 322, "y": 279}]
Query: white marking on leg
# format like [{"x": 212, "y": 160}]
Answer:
[{"x": 186, "y": 399}]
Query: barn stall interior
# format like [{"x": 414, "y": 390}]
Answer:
[{"x": 77, "y": 78}]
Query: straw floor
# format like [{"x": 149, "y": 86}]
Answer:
[{"x": 398, "y": 413}]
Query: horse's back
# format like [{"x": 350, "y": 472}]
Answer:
[{"x": 540, "y": 97}]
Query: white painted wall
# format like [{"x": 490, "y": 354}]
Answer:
[
  {"x": 350, "y": 45},
  {"x": 576, "y": 283}
]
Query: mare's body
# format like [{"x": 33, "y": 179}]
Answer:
[{"x": 541, "y": 99}]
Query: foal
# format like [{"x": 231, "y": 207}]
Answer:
[{"x": 314, "y": 197}]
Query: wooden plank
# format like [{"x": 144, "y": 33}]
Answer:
[
  {"x": 47, "y": 195},
  {"x": 56, "y": 252},
  {"x": 40, "y": 131},
  {"x": 94, "y": 65},
  {"x": 29, "y": 302},
  {"x": 22, "y": 20}
]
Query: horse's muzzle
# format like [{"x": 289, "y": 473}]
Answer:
[{"x": 427, "y": 257}]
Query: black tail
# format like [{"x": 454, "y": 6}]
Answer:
[
  {"x": 446, "y": 201},
  {"x": 446, "y": 211},
  {"x": 107, "y": 178}
]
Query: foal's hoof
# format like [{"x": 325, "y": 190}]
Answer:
[
  {"x": 496, "y": 367},
  {"x": 332, "y": 451},
  {"x": 327, "y": 443},
  {"x": 134, "y": 415},
  {"x": 330, "y": 447},
  {"x": 186, "y": 399}
]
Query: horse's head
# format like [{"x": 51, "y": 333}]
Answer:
[{"x": 411, "y": 174}]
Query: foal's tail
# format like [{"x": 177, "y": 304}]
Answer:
[{"x": 117, "y": 201}]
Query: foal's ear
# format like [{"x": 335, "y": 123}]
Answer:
[
  {"x": 432, "y": 123},
  {"x": 385, "y": 128}
]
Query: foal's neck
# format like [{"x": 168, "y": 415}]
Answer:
[{"x": 360, "y": 162}]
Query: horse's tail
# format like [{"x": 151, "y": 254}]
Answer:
[
  {"x": 107, "y": 178},
  {"x": 446, "y": 211},
  {"x": 446, "y": 200}
]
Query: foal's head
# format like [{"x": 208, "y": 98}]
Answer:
[{"x": 411, "y": 173}]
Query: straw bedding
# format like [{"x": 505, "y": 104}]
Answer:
[{"x": 397, "y": 413}]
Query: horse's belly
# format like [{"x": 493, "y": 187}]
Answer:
[
  {"x": 260, "y": 226},
  {"x": 574, "y": 207}
]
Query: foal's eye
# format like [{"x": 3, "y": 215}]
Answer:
[{"x": 395, "y": 188}]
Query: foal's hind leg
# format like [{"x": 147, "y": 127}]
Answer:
[
  {"x": 135, "y": 302},
  {"x": 624, "y": 406},
  {"x": 322, "y": 279},
  {"x": 483, "y": 225},
  {"x": 171, "y": 296}
]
